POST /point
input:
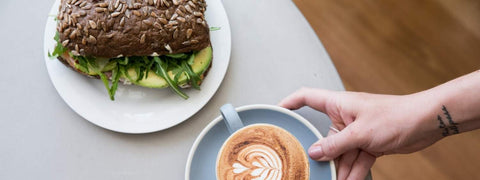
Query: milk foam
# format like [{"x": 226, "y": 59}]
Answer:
[{"x": 258, "y": 161}]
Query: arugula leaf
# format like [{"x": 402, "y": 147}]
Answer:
[
  {"x": 82, "y": 64},
  {"x": 191, "y": 59},
  {"x": 123, "y": 61},
  {"x": 54, "y": 17},
  {"x": 59, "y": 49},
  {"x": 94, "y": 66},
  {"x": 161, "y": 70},
  {"x": 97, "y": 69},
  {"x": 177, "y": 56},
  {"x": 192, "y": 76},
  {"x": 215, "y": 28},
  {"x": 149, "y": 66},
  {"x": 139, "y": 73},
  {"x": 123, "y": 69},
  {"x": 115, "y": 78}
]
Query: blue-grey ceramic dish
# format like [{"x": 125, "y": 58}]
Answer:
[{"x": 203, "y": 154}]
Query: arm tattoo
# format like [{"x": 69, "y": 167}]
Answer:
[{"x": 452, "y": 127}]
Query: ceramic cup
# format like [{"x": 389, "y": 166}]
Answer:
[{"x": 259, "y": 151}]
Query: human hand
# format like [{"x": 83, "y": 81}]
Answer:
[{"x": 370, "y": 126}]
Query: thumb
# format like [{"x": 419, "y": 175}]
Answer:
[{"x": 331, "y": 147}]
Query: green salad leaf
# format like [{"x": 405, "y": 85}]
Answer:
[
  {"x": 178, "y": 56},
  {"x": 59, "y": 49},
  {"x": 161, "y": 70},
  {"x": 215, "y": 28}
]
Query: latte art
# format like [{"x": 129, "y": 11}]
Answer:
[
  {"x": 262, "y": 152},
  {"x": 258, "y": 161}
]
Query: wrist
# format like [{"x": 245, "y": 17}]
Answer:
[{"x": 455, "y": 105}]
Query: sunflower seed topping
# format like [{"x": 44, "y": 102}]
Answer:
[
  {"x": 198, "y": 14},
  {"x": 157, "y": 25},
  {"x": 181, "y": 19},
  {"x": 67, "y": 31},
  {"x": 174, "y": 16},
  {"x": 137, "y": 5},
  {"x": 122, "y": 21},
  {"x": 99, "y": 10},
  {"x": 137, "y": 13},
  {"x": 189, "y": 33},
  {"x": 117, "y": 3},
  {"x": 75, "y": 53},
  {"x": 192, "y": 4},
  {"x": 180, "y": 13},
  {"x": 83, "y": 4},
  {"x": 92, "y": 40},
  {"x": 188, "y": 8},
  {"x": 93, "y": 25},
  {"x": 175, "y": 20},
  {"x": 73, "y": 34},
  {"x": 86, "y": 7},
  {"x": 82, "y": 13},
  {"x": 115, "y": 14},
  {"x": 175, "y": 34},
  {"x": 119, "y": 8},
  {"x": 65, "y": 43},
  {"x": 147, "y": 22},
  {"x": 102, "y": 5},
  {"x": 142, "y": 39},
  {"x": 110, "y": 35},
  {"x": 167, "y": 47},
  {"x": 163, "y": 20}
]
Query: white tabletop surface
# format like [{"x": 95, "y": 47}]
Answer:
[{"x": 274, "y": 52}]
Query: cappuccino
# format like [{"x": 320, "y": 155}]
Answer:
[{"x": 262, "y": 151}]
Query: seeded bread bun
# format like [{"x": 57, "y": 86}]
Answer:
[{"x": 115, "y": 28}]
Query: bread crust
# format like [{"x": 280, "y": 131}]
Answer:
[{"x": 115, "y": 28}]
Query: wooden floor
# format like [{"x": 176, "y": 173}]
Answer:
[{"x": 401, "y": 47}]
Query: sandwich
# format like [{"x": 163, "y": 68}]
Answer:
[{"x": 149, "y": 43}]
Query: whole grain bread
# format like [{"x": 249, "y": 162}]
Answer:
[{"x": 115, "y": 28}]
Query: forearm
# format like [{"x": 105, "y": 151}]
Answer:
[{"x": 455, "y": 105}]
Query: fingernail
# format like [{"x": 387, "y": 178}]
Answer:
[{"x": 315, "y": 152}]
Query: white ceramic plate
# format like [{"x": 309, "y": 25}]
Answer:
[{"x": 138, "y": 109}]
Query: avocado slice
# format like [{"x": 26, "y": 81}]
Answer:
[
  {"x": 107, "y": 66},
  {"x": 202, "y": 61}
]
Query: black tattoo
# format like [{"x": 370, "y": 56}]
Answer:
[
  {"x": 442, "y": 125},
  {"x": 452, "y": 126}
]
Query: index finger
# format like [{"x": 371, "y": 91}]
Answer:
[{"x": 314, "y": 98}]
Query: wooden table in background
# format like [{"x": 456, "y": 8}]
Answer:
[{"x": 401, "y": 47}]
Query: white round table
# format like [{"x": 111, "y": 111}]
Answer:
[{"x": 274, "y": 52}]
